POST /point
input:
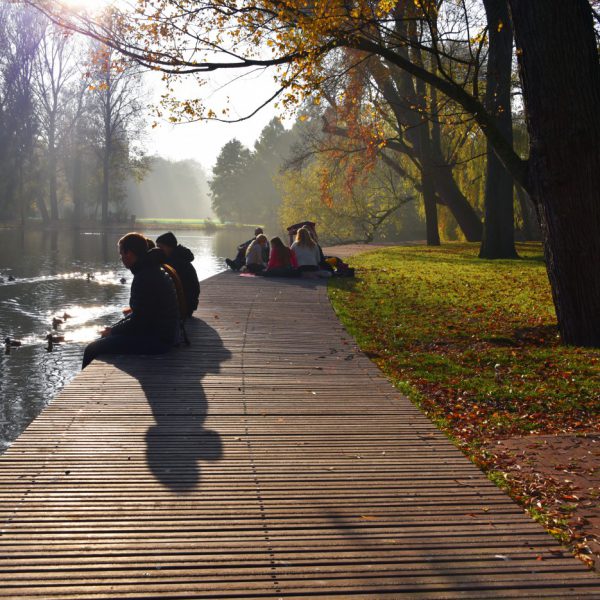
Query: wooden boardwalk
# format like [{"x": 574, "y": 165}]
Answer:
[{"x": 269, "y": 459}]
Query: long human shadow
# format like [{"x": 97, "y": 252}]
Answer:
[{"x": 173, "y": 386}]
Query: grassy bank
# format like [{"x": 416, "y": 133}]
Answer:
[{"x": 475, "y": 344}]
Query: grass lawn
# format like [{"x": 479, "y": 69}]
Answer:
[{"x": 475, "y": 344}]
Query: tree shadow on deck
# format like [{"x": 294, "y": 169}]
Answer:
[{"x": 172, "y": 384}]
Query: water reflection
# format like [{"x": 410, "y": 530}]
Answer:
[{"x": 77, "y": 273}]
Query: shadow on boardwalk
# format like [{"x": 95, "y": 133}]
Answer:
[
  {"x": 178, "y": 441},
  {"x": 325, "y": 481}
]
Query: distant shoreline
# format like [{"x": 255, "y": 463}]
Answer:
[{"x": 138, "y": 224}]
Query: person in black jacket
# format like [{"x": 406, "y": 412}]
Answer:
[
  {"x": 180, "y": 258},
  {"x": 152, "y": 323}
]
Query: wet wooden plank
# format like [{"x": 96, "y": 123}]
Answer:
[{"x": 269, "y": 459}]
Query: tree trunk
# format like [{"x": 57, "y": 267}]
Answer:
[
  {"x": 108, "y": 139},
  {"x": 431, "y": 216},
  {"x": 560, "y": 72},
  {"x": 433, "y": 163},
  {"x": 423, "y": 140},
  {"x": 21, "y": 194},
  {"x": 42, "y": 208},
  {"x": 77, "y": 195},
  {"x": 531, "y": 226},
  {"x": 52, "y": 184},
  {"x": 105, "y": 182},
  {"x": 499, "y": 221},
  {"x": 451, "y": 196}
]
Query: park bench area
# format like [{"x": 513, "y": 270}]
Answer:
[{"x": 268, "y": 459}]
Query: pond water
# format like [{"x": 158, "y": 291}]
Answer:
[{"x": 79, "y": 274}]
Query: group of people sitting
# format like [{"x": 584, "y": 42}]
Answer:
[
  {"x": 164, "y": 292},
  {"x": 165, "y": 287},
  {"x": 304, "y": 258}
]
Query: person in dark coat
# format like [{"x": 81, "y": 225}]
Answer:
[
  {"x": 151, "y": 324},
  {"x": 180, "y": 258}
]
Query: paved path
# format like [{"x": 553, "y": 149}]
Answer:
[{"x": 269, "y": 459}]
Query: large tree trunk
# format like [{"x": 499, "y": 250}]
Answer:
[
  {"x": 448, "y": 191},
  {"x": 560, "y": 72},
  {"x": 499, "y": 221},
  {"x": 429, "y": 152},
  {"x": 451, "y": 196}
]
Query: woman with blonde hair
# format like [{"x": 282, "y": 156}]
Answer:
[
  {"x": 307, "y": 254},
  {"x": 254, "y": 254}
]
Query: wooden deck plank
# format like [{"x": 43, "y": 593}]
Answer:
[{"x": 269, "y": 459}]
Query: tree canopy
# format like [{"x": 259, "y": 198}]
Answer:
[{"x": 446, "y": 45}]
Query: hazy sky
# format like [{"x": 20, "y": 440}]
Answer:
[{"x": 203, "y": 140}]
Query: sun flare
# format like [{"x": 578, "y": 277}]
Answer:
[{"x": 91, "y": 5}]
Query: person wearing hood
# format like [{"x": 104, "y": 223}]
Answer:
[
  {"x": 150, "y": 326},
  {"x": 180, "y": 258}
]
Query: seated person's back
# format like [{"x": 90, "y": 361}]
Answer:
[
  {"x": 153, "y": 300},
  {"x": 255, "y": 255},
  {"x": 306, "y": 250},
  {"x": 151, "y": 325},
  {"x": 180, "y": 258}
]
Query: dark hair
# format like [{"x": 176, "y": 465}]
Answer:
[
  {"x": 281, "y": 251},
  {"x": 150, "y": 243},
  {"x": 134, "y": 242},
  {"x": 168, "y": 239},
  {"x": 258, "y": 231},
  {"x": 277, "y": 243}
]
